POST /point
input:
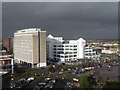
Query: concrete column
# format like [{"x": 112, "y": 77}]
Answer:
[
  {"x": 24, "y": 63},
  {"x": 20, "y": 62},
  {"x": 12, "y": 63},
  {"x": 29, "y": 64},
  {"x": 32, "y": 65}
]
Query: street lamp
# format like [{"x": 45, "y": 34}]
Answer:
[
  {"x": 12, "y": 63},
  {"x": 12, "y": 77}
]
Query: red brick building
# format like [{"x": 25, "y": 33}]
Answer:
[{"x": 7, "y": 43}]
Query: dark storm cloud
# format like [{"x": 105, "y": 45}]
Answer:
[{"x": 70, "y": 20}]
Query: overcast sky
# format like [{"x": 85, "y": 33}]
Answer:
[{"x": 88, "y": 20}]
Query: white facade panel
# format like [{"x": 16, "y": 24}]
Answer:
[{"x": 65, "y": 50}]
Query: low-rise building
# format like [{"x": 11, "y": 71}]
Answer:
[
  {"x": 108, "y": 51},
  {"x": 5, "y": 61},
  {"x": 90, "y": 53}
]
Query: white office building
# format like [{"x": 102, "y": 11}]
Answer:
[
  {"x": 29, "y": 47},
  {"x": 65, "y": 50}
]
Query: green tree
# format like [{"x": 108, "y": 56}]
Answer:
[
  {"x": 51, "y": 69},
  {"x": 84, "y": 83}
]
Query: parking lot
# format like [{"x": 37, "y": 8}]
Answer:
[
  {"x": 62, "y": 76},
  {"x": 58, "y": 80}
]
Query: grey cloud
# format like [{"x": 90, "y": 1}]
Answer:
[{"x": 91, "y": 20}]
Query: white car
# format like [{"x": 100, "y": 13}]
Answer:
[
  {"x": 47, "y": 78},
  {"x": 60, "y": 72},
  {"x": 75, "y": 79},
  {"x": 30, "y": 79},
  {"x": 83, "y": 70}
]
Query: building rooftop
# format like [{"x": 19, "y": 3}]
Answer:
[{"x": 29, "y": 30}]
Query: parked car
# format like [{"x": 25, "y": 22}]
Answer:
[
  {"x": 18, "y": 84},
  {"x": 50, "y": 84},
  {"x": 30, "y": 79},
  {"x": 75, "y": 79}
]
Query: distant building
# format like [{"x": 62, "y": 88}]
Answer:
[
  {"x": 30, "y": 47},
  {"x": 110, "y": 44},
  {"x": 108, "y": 51},
  {"x": 90, "y": 53},
  {"x": 65, "y": 50},
  {"x": 7, "y": 43}
]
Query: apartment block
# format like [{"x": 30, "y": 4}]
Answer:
[{"x": 30, "y": 47}]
